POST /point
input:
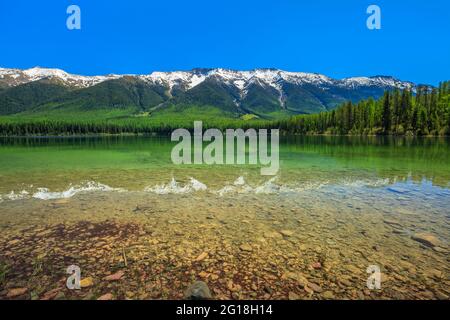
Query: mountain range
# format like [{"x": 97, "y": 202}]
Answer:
[{"x": 263, "y": 93}]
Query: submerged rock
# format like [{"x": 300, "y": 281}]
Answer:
[
  {"x": 314, "y": 287},
  {"x": 198, "y": 291},
  {"x": 246, "y": 247},
  {"x": 114, "y": 277},
  {"x": 328, "y": 295},
  {"x": 293, "y": 296},
  {"x": 353, "y": 270},
  {"x": 202, "y": 256},
  {"x": 392, "y": 223},
  {"x": 50, "y": 294},
  {"x": 287, "y": 233},
  {"x": 16, "y": 292},
  {"x": 426, "y": 239},
  {"x": 86, "y": 282},
  {"x": 107, "y": 296},
  {"x": 441, "y": 296},
  {"x": 440, "y": 250}
]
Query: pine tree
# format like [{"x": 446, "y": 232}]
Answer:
[{"x": 386, "y": 115}]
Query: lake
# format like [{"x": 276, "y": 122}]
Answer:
[{"x": 118, "y": 207}]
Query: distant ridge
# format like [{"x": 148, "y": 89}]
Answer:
[{"x": 263, "y": 92}]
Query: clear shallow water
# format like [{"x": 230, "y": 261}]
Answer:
[
  {"x": 342, "y": 202},
  {"x": 138, "y": 164}
]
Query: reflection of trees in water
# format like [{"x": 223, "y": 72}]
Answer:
[
  {"x": 304, "y": 158},
  {"x": 386, "y": 157}
]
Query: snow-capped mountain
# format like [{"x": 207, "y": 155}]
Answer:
[
  {"x": 261, "y": 91},
  {"x": 190, "y": 79},
  {"x": 15, "y": 77},
  {"x": 383, "y": 81}
]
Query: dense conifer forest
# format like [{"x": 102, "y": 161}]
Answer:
[
  {"x": 397, "y": 113},
  {"x": 422, "y": 113}
]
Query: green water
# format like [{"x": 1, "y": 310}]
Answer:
[
  {"x": 135, "y": 163},
  {"x": 336, "y": 206}
]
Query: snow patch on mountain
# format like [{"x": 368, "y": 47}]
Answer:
[
  {"x": 380, "y": 81},
  {"x": 186, "y": 80},
  {"x": 14, "y": 77}
]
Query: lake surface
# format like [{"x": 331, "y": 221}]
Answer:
[{"x": 118, "y": 205}]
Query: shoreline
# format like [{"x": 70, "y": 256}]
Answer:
[{"x": 282, "y": 134}]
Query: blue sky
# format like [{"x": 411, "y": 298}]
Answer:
[{"x": 137, "y": 36}]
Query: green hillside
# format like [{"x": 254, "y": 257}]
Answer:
[
  {"x": 26, "y": 97},
  {"x": 396, "y": 113}
]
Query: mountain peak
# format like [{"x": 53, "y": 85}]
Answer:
[
  {"x": 259, "y": 91},
  {"x": 271, "y": 77},
  {"x": 39, "y": 73}
]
